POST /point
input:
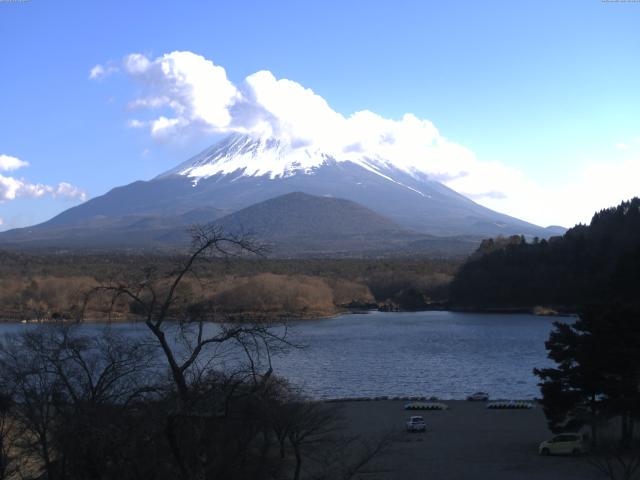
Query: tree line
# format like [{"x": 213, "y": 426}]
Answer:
[
  {"x": 183, "y": 398},
  {"x": 51, "y": 286},
  {"x": 591, "y": 263},
  {"x": 593, "y": 271}
]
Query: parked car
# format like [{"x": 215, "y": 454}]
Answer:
[
  {"x": 564, "y": 444},
  {"x": 478, "y": 397},
  {"x": 416, "y": 424}
]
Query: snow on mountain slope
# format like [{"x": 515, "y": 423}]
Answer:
[
  {"x": 247, "y": 156},
  {"x": 251, "y": 156},
  {"x": 241, "y": 171},
  {"x": 255, "y": 157}
]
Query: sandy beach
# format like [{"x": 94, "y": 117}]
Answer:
[{"x": 467, "y": 441}]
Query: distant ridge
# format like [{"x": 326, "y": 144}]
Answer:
[
  {"x": 298, "y": 214},
  {"x": 298, "y": 224},
  {"x": 291, "y": 225}
]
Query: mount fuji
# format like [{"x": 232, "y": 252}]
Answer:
[{"x": 242, "y": 171}]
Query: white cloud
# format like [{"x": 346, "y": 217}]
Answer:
[
  {"x": 136, "y": 64},
  {"x": 622, "y": 146},
  {"x": 184, "y": 92},
  {"x": 133, "y": 123},
  {"x": 191, "y": 93},
  {"x": 96, "y": 72},
  {"x": 66, "y": 190},
  {"x": 8, "y": 163},
  {"x": 12, "y": 188},
  {"x": 100, "y": 71},
  {"x": 163, "y": 126},
  {"x": 285, "y": 108},
  {"x": 9, "y": 188},
  {"x": 194, "y": 89},
  {"x": 1, "y": 221},
  {"x": 594, "y": 186}
]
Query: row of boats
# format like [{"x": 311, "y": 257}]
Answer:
[{"x": 506, "y": 404}]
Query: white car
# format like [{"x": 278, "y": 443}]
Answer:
[
  {"x": 564, "y": 444},
  {"x": 478, "y": 397},
  {"x": 416, "y": 424}
]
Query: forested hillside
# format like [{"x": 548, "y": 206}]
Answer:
[
  {"x": 589, "y": 264},
  {"x": 45, "y": 286}
]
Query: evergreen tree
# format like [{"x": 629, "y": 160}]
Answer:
[
  {"x": 597, "y": 376},
  {"x": 595, "y": 263}
]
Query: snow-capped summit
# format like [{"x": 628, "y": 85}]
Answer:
[
  {"x": 241, "y": 171},
  {"x": 249, "y": 156},
  {"x": 278, "y": 158}
]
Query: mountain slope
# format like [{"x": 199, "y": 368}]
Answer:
[
  {"x": 242, "y": 171},
  {"x": 246, "y": 170},
  {"x": 298, "y": 224},
  {"x": 301, "y": 215},
  {"x": 106, "y": 232},
  {"x": 291, "y": 225}
]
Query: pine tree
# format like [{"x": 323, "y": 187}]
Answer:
[{"x": 597, "y": 376}]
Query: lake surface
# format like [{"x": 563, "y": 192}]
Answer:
[{"x": 444, "y": 354}]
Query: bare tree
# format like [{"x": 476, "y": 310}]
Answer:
[
  {"x": 159, "y": 298},
  {"x": 8, "y": 455},
  {"x": 616, "y": 460},
  {"x": 314, "y": 433},
  {"x": 62, "y": 382},
  {"x": 306, "y": 424},
  {"x": 35, "y": 394},
  {"x": 198, "y": 348},
  {"x": 345, "y": 457},
  {"x": 102, "y": 367},
  {"x": 202, "y": 403}
]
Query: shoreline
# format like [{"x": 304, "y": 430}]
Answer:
[
  {"x": 304, "y": 317},
  {"x": 414, "y": 398}
]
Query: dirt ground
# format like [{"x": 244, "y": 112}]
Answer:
[{"x": 467, "y": 441}]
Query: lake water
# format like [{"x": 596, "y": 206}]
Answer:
[{"x": 443, "y": 354}]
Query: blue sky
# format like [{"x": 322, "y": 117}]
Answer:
[{"x": 544, "y": 94}]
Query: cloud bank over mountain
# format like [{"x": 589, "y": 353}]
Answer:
[
  {"x": 187, "y": 92},
  {"x": 182, "y": 92}
]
